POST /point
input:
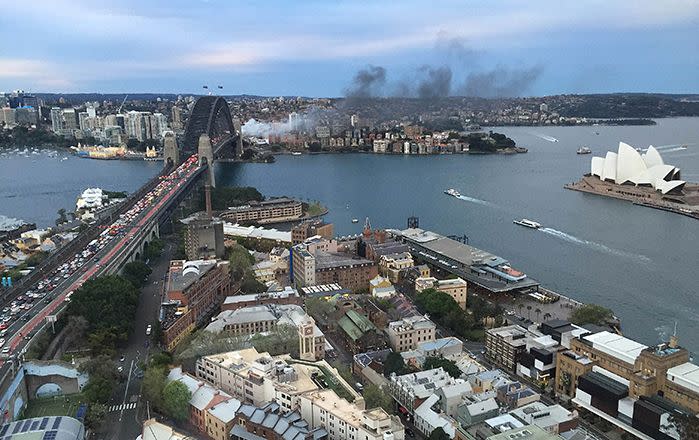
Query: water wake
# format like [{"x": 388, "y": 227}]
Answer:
[
  {"x": 675, "y": 149},
  {"x": 665, "y": 147},
  {"x": 594, "y": 245},
  {"x": 475, "y": 200},
  {"x": 545, "y": 137}
]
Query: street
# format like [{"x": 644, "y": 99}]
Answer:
[{"x": 126, "y": 411}]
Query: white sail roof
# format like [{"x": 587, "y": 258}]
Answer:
[
  {"x": 629, "y": 166},
  {"x": 610, "y": 165},
  {"x": 597, "y": 166},
  {"x": 652, "y": 157},
  {"x": 629, "y": 163}
]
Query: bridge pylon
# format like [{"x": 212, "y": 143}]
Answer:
[
  {"x": 206, "y": 156},
  {"x": 170, "y": 151}
]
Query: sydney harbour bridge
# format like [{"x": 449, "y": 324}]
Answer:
[{"x": 210, "y": 132}]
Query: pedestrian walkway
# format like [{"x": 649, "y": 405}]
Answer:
[{"x": 123, "y": 406}]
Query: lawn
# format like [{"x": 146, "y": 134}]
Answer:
[{"x": 54, "y": 406}]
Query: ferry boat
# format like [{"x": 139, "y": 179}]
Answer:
[
  {"x": 452, "y": 192},
  {"x": 584, "y": 150},
  {"x": 527, "y": 223}
]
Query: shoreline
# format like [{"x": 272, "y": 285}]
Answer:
[{"x": 646, "y": 201}]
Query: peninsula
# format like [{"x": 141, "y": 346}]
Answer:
[{"x": 641, "y": 177}]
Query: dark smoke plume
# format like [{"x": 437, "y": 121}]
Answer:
[
  {"x": 437, "y": 84},
  {"x": 437, "y": 81},
  {"x": 456, "y": 48},
  {"x": 367, "y": 83},
  {"x": 500, "y": 82}
]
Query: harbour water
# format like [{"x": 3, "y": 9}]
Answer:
[{"x": 638, "y": 261}]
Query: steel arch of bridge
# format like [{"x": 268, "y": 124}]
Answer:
[{"x": 211, "y": 116}]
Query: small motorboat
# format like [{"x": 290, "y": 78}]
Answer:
[
  {"x": 584, "y": 150},
  {"x": 527, "y": 223},
  {"x": 354, "y": 220}
]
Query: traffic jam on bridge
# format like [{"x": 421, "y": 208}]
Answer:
[{"x": 52, "y": 288}]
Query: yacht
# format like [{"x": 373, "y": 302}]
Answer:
[
  {"x": 527, "y": 223},
  {"x": 452, "y": 192},
  {"x": 584, "y": 150}
]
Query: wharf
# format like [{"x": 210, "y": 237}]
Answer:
[{"x": 479, "y": 267}]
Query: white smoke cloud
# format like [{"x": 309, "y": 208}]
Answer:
[{"x": 263, "y": 129}]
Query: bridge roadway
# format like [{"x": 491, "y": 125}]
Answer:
[
  {"x": 25, "y": 284},
  {"x": 110, "y": 259}
]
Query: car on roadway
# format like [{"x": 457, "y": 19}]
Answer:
[{"x": 149, "y": 329}]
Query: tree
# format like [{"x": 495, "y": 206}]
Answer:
[
  {"x": 376, "y": 397},
  {"x": 226, "y": 196},
  {"x": 36, "y": 258},
  {"x": 153, "y": 249},
  {"x": 282, "y": 341},
  {"x": 176, "y": 398},
  {"x": 103, "y": 377},
  {"x": 314, "y": 147},
  {"x": 686, "y": 425},
  {"x": 529, "y": 311},
  {"x": 438, "y": 434},
  {"x": 480, "y": 308},
  {"x": 95, "y": 415},
  {"x": 109, "y": 305},
  {"x": 250, "y": 284},
  {"x": 248, "y": 154},
  {"x": 591, "y": 314},
  {"x": 438, "y": 304},
  {"x": 160, "y": 359},
  {"x": 394, "y": 363},
  {"x": 62, "y": 218},
  {"x": 240, "y": 261},
  {"x": 154, "y": 380},
  {"x": 547, "y": 316},
  {"x": 450, "y": 367},
  {"x": 98, "y": 390},
  {"x": 136, "y": 272},
  {"x": 538, "y": 313}
]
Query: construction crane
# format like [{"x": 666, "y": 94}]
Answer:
[{"x": 122, "y": 104}]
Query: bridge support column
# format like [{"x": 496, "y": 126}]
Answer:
[
  {"x": 170, "y": 150},
  {"x": 239, "y": 138},
  {"x": 206, "y": 156}
]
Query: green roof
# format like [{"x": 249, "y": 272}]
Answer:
[
  {"x": 348, "y": 326},
  {"x": 360, "y": 321}
]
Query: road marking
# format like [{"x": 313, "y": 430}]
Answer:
[{"x": 122, "y": 407}]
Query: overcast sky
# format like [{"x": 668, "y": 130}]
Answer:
[{"x": 314, "y": 48}]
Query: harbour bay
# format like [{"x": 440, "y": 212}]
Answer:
[{"x": 638, "y": 261}]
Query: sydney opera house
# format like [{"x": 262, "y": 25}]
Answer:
[
  {"x": 643, "y": 178},
  {"x": 629, "y": 167}
]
